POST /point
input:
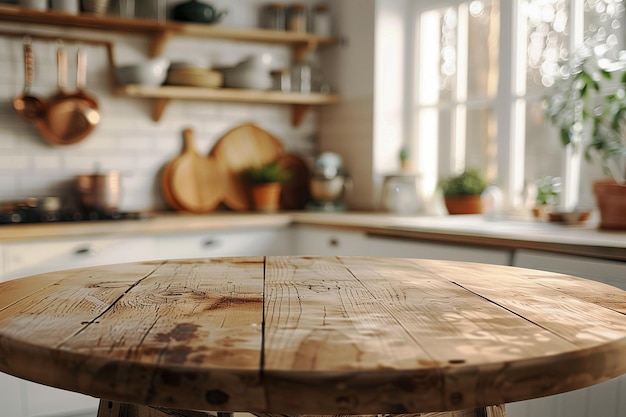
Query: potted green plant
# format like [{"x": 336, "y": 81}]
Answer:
[
  {"x": 588, "y": 106},
  {"x": 266, "y": 184},
  {"x": 548, "y": 196},
  {"x": 462, "y": 192}
]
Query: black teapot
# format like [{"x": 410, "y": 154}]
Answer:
[{"x": 195, "y": 11}]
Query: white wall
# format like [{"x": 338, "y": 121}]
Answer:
[
  {"x": 348, "y": 127},
  {"x": 127, "y": 139}
]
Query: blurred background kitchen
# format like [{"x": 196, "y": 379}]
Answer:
[{"x": 128, "y": 140}]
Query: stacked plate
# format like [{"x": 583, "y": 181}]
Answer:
[{"x": 194, "y": 76}]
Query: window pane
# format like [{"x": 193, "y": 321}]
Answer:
[
  {"x": 438, "y": 67},
  {"x": 483, "y": 43},
  {"x": 445, "y": 138},
  {"x": 603, "y": 23},
  {"x": 480, "y": 146},
  {"x": 543, "y": 151},
  {"x": 547, "y": 23}
]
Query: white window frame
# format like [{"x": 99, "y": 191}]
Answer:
[{"x": 509, "y": 107}]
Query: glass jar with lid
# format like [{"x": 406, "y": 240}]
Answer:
[
  {"x": 297, "y": 18},
  {"x": 321, "y": 20},
  {"x": 273, "y": 16}
]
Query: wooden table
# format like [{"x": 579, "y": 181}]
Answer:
[{"x": 311, "y": 335}]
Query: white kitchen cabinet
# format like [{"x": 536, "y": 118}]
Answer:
[
  {"x": 27, "y": 257},
  {"x": 11, "y": 398},
  {"x": 23, "y": 258},
  {"x": 44, "y": 401},
  {"x": 407, "y": 248},
  {"x": 609, "y": 272},
  {"x": 249, "y": 242},
  {"x": 607, "y": 399},
  {"x": 317, "y": 241}
]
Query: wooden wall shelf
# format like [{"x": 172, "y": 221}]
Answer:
[
  {"x": 164, "y": 94},
  {"x": 159, "y": 34}
]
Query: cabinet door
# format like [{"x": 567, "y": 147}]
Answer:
[
  {"x": 330, "y": 242},
  {"x": 602, "y": 400},
  {"x": 34, "y": 257},
  {"x": 11, "y": 395},
  {"x": 609, "y": 272},
  {"x": 406, "y": 248},
  {"x": 44, "y": 401},
  {"x": 275, "y": 241}
]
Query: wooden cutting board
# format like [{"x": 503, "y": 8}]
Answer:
[
  {"x": 241, "y": 148},
  {"x": 296, "y": 190},
  {"x": 192, "y": 182}
]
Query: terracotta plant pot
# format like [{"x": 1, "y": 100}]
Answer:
[
  {"x": 266, "y": 197},
  {"x": 467, "y": 204},
  {"x": 611, "y": 198}
]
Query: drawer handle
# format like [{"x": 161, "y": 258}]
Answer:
[
  {"x": 85, "y": 250},
  {"x": 333, "y": 241},
  {"x": 208, "y": 242}
]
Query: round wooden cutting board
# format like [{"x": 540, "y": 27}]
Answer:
[
  {"x": 296, "y": 190},
  {"x": 241, "y": 148},
  {"x": 195, "y": 182}
]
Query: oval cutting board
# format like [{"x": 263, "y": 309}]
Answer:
[
  {"x": 195, "y": 182},
  {"x": 241, "y": 148}
]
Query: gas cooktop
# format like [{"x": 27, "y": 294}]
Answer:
[{"x": 48, "y": 210}]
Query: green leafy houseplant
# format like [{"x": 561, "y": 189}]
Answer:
[
  {"x": 469, "y": 182},
  {"x": 588, "y": 106},
  {"x": 266, "y": 185},
  {"x": 594, "y": 96},
  {"x": 268, "y": 173},
  {"x": 462, "y": 192}
]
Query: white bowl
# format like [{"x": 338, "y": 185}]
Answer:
[{"x": 152, "y": 72}]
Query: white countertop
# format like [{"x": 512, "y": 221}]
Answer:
[{"x": 464, "y": 229}]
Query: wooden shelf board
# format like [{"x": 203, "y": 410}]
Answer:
[
  {"x": 18, "y": 14},
  {"x": 226, "y": 94},
  {"x": 256, "y": 35},
  {"x": 85, "y": 21}
]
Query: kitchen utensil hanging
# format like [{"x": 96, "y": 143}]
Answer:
[
  {"x": 68, "y": 118},
  {"x": 26, "y": 104},
  {"x": 80, "y": 112}
]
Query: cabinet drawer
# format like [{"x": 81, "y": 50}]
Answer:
[
  {"x": 28, "y": 258},
  {"x": 215, "y": 244},
  {"x": 609, "y": 272}
]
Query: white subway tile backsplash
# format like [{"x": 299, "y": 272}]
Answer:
[
  {"x": 46, "y": 163},
  {"x": 12, "y": 162}
]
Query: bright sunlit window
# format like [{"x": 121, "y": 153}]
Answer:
[{"x": 481, "y": 68}]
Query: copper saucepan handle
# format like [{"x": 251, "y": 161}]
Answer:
[
  {"x": 29, "y": 67},
  {"x": 81, "y": 69},
  {"x": 61, "y": 68}
]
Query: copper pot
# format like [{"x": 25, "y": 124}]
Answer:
[{"x": 100, "y": 191}]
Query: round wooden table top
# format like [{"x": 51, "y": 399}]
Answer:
[{"x": 335, "y": 335}]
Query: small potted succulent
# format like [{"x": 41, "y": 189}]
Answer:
[
  {"x": 588, "y": 106},
  {"x": 462, "y": 192},
  {"x": 265, "y": 183}
]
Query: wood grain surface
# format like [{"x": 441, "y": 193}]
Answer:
[{"x": 336, "y": 335}]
